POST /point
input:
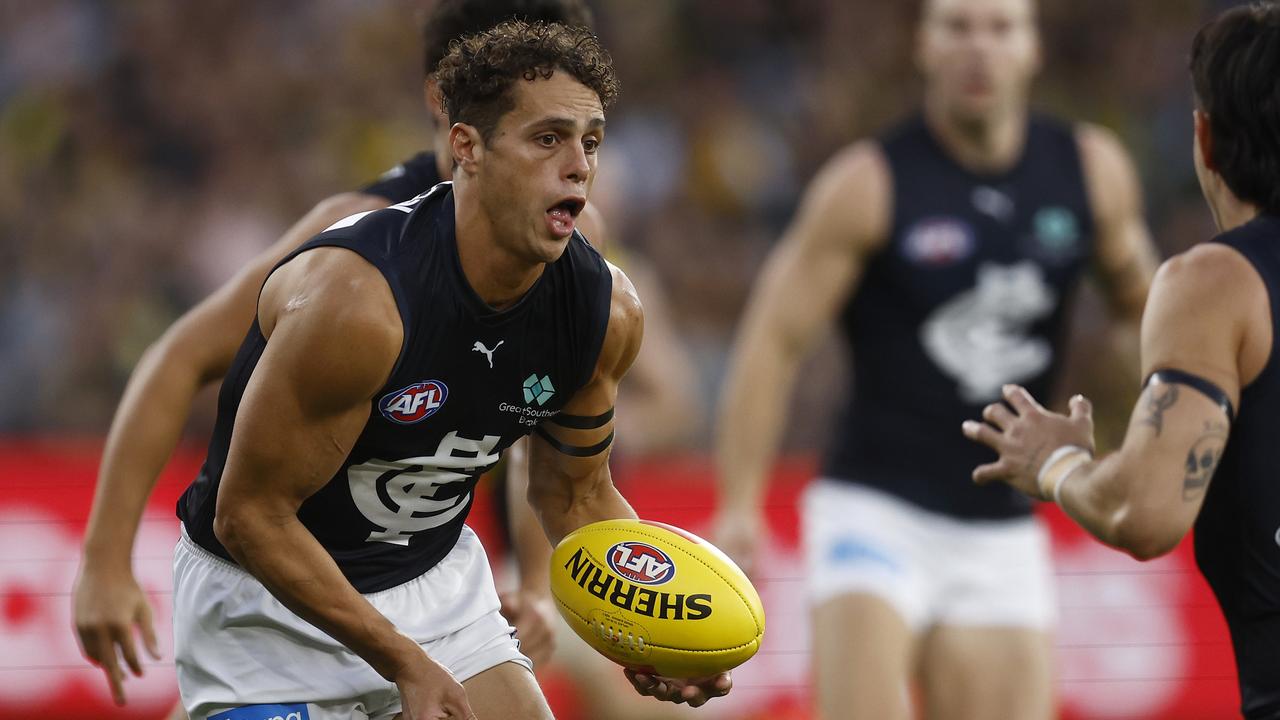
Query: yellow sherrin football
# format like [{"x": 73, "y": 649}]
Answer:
[{"x": 656, "y": 598}]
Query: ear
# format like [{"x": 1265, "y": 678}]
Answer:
[
  {"x": 434, "y": 100},
  {"x": 467, "y": 146},
  {"x": 1204, "y": 138}
]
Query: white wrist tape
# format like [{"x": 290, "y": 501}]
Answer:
[{"x": 1081, "y": 456}]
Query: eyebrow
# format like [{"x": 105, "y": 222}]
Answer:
[{"x": 563, "y": 123}]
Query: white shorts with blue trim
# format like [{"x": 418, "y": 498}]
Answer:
[
  {"x": 931, "y": 568},
  {"x": 242, "y": 655}
]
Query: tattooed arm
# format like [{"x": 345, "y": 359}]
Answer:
[{"x": 1144, "y": 497}]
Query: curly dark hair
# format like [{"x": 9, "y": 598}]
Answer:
[
  {"x": 453, "y": 19},
  {"x": 477, "y": 74},
  {"x": 1235, "y": 63}
]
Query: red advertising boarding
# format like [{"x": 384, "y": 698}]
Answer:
[{"x": 1136, "y": 640}]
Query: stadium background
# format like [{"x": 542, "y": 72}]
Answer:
[{"x": 149, "y": 148}]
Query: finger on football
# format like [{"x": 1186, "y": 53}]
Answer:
[
  {"x": 1020, "y": 399},
  {"x": 983, "y": 433}
]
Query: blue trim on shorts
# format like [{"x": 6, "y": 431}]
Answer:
[
  {"x": 853, "y": 551},
  {"x": 265, "y": 712}
]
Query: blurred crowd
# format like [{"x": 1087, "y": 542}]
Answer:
[{"x": 150, "y": 147}]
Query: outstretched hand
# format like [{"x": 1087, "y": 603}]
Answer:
[
  {"x": 695, "y": 692},
  {"x": 1025, "y": 434},
  {"x": 108, "y": 607}
]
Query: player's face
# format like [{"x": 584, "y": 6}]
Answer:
[
  {"x": 540, "y": 163},
  {"x": 978, "y": 56}
]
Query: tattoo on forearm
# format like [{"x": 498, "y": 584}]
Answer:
[
  {"x": 1162, "y": 398},
  {"x": 1202, "y": 460}
]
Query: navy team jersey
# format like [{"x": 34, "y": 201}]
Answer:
[
  {"x": 406, "y": 180},
  {"x": 468, "y": 383},
  {"x": 1237, "y": 534},
  {"x": 968, "y": 294}
]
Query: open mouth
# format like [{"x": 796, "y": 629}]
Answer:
[
  {"x": 560, "y": 216},
  {"x": 571, "y": 206}
]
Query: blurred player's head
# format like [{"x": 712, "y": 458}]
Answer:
[
  {"x": 1235, "y": 68},
  {"x": 526, "y": 107},
  {"x": 978, "y": 57}
]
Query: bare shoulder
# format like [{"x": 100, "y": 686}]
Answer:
[
  {"x": 336, "y": 207},
  {"x": 1207, "y": 272},
  {"x": 851, "y": 198},
  {"x": 1206, "y": 310},
  {"x": 1109, "y": 174},
  {"x": 859, "y": 175},
  {"x": 626, "y": 326},
  {"x": 338, "y": 316}
]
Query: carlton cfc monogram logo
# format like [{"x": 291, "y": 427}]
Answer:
[
  {"x": 641, "y": 563},
  {"x": 414, "y": 403}
]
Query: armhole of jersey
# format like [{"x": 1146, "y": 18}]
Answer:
[
  {"x": 393, "y": 282},
  {"x": 1268, "y": 271},
  {"x": 600, "y": 325}
]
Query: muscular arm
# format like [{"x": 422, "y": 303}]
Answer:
[
  {"x": 842, "y": 219},
  {"x": 1145, "y": 497},
  {"x": 333, "y": 336},
  {"x": 195, "y": 351},
  {"x": 567, "y": 491}
]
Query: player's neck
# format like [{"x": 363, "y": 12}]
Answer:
[
  {"x": 989, "y": 145},
  {"x": 496, "y": 275},
  {"x": 1230, "y": 212}
]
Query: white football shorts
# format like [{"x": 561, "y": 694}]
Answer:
[
  {"x": 242, "y": 655},
  {"x": 933, "y": 569}
]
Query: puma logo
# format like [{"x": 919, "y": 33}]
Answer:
[{"x": 480, "y": 348}]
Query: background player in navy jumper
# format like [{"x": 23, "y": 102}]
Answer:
[
  {"x": 948, "y": 251},
  {"x": 1201, "y": 447},
  {"x": 302, "y": 486},
  {"x": 197, "y": 350}
]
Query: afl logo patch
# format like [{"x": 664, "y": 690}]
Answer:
[
  {"x": 938, "y": 241},
  {"x": 641, "y": 563},
  {"x": 414, "y": 403}
]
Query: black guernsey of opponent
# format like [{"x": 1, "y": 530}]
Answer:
[
  {"x": 969, "y": 293},
  {"x": 1237, "y": 534},
  {"x": 468, "y": 383},
  {"x": 407, "y": 180}
]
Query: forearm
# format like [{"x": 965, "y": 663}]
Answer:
[
  {"x": 1105, "y": 497},
  {"x": 288, "y": 560},
  {"x": 531, "y": 549},
  {"x": 563, "y": 512},
  {"x": 146, "y": 428},
  {"x": 1093, "y": 495}
]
